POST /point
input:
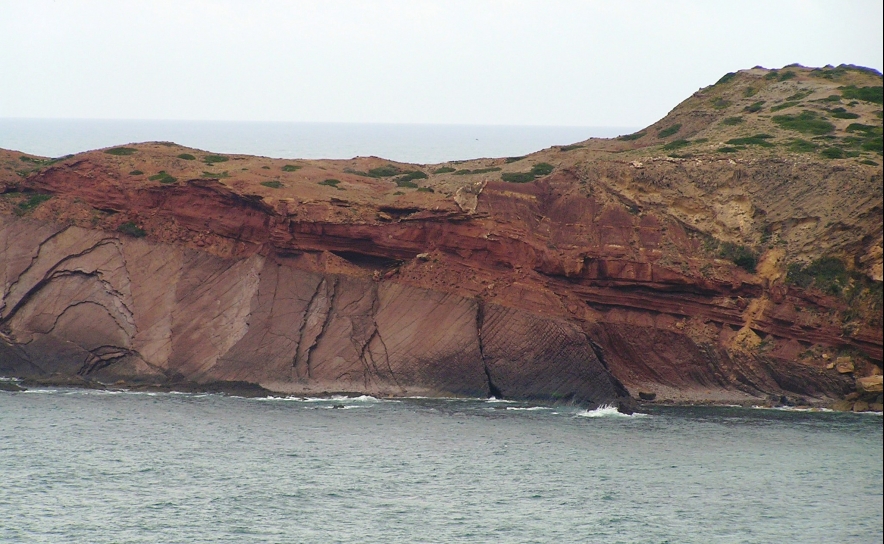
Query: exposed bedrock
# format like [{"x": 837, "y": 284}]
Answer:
[{"x": 88, "y": 304}]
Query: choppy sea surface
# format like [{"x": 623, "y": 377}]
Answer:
[
  {"x": 123, "y": 467},
  {"x": 422, "y": 144}
]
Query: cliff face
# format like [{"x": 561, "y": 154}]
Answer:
[{"x": 609, "y": 269}]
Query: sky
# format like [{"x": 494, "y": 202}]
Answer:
[{"x": 483, "y": 62}]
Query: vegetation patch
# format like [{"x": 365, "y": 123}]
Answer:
[
  {"x": 720, "y": 103},
  {"x": 841, "y": 113},
  {"x": 331, "y": 182},
  {"x": 542, "y": 169},
  {"x": 444, "y": 170},
  {"x": 729, "y": 149},
  {"x": 783, "y": 106},
  {"x": 387, "y": 171},
  {"x": 801, "y": 146},
  {"x": 136, "y": 173},
  {"x": 758, "y": 139},
  {"x": 412, "y": 175},
  {"x": 517, "y": 177},
  {"x": 750, "y": 91},
  {"x": 731, "y": 121},
  {"x": 726, "y": 77},
  {"x": 869, "y": 162},
  {"x": 807, "y": 122},
  {"x": 867, "y": 94},
  {"x": 291, "y": 167},
  {"x": 832, "y": 153},
  {"x": 828, "y": 274},
  {"x": 667, "y": 132},
  {"x": 517, "y": 159},
  {"x": 222, "y": 175},
  {"x": 785, "y": 76},
  {"x": 631, "y": 137},
  {"x": 163, "y": 177},
  {"x": 31, "y": 203},
  {"x": 755, "y": 107},
  {"x": 187, "y": 157},
  {"x": 131, "y": 229},
  {"x": 571, "y": 147},
  {"x": 273, "y": 184},
  {"x": 741, "y": 256},
  {"x": 676, "y": 144},
  {"x": 425, "y": 190},
  {"x": 120, "y": 151},
  {"x": 265, "y": 167},
  {"x": 464, "y": 172},
  {"x": 800, "y": 95},
  {"x": 212, "y": 159}
]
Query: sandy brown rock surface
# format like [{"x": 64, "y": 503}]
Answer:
[{"x": 724, "y": 254}]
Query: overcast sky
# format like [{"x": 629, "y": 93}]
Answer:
[{"x": 545, "y": 62}]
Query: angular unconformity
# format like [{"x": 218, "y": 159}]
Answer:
[{"x": 100, "y": 306}]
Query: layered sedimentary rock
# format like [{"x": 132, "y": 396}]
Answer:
[{"x": 609, "y": 270}]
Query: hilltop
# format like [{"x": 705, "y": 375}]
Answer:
[{"x": 731, "y": 251}]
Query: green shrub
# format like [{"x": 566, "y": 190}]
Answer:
[
  {"x": 405, "y": 183},
  {"x": 412, "y": 175},
  {"x": 830, "y": 98},
  {"x": 384, "y": 171},
  {"x": 859, "y": 127},
  {"x": 476, "y": 171},
  {"x": 291, "y": 167},
  {"x": 187, "y": 157},
  {"x": 728, "y": 149},
  {"x": 571, "y": 147},
  {"x": 517, "y": 177},
  {"x": 273, "y": 184},
  {"x": 212, "y": 159},
  {"x": 726, "y": 77},
  {"x": 755, "y": 107},
  {"x": 771, "y": 75},
  {"x": 425, "y": 190},
  {"x": 163, "y": 177},
  {"x": 867, "y": 94},
  {"x": 136, "y": 173},
  {"x": 631, "y": 137},
  {"x": 514, "y": 159},
  {"x": 667, "y": 132},
  {"x": 676, "y": 144},
  {"x": 807, "y": 122},
  {"x": 32, "y": 202},
  {"x": 330, "y": 182},
  {"x": 741, "y": 256},
  {"x": 875, "y": 144},
  {"x": 120, "y": 151},
  {"x": 731, "y": 121},
  {"x": 222, "y": 175},
  {"x": 832, "y": 153},
  {"x": 265, "y": 167},
  {"x": 800, "y": 95},
  {"x": 541, "y": 169},
  {"x": 841, "y": 113},
  {"x": 828, "y": 274},
  {"x": 783, "y": 76},
  {"x": 801, "y": 146},
  {"x": 443, "y": 170},
  {"x": 131, "y": 229},
  {"x": 750, "y": 91},
  {"x": 758, "y": 139},
  {"x": 869, "y": 162},
  {"x": 783, "y": 106},
  {"x": 720, "y": 103}
]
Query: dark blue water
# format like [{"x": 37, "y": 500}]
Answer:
[
  {"x": 87, "y": 466},
  {"x": 423, "y": 144}
]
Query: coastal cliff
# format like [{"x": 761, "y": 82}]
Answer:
[{"x": 731, "y": 252}]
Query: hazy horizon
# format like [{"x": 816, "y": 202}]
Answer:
[{"x": 484, "y": 62}]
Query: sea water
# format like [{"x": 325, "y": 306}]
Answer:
[
  {"x": 421, "y": 144},
  {"x": 120, "y": 467}
]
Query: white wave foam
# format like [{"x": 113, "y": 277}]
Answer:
[
  {"x": 41, "y": 391},
  {"x": 528, "y": 408},
  {"x": 606, "y": 410}
]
